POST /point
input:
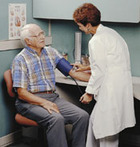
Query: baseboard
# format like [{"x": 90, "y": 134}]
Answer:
[{"x": 10, "y": 138}]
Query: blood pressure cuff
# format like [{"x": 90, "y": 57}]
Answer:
[{"x": 64, "y": 66}]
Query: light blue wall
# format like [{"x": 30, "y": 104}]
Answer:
[
  {"x": 131, "y": 34},
  {"x": 63, "y": 39}
]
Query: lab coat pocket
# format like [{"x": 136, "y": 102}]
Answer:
[{"x": 106, "y": 98}]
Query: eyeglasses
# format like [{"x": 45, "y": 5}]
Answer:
[{"x": 41, "y": 34}]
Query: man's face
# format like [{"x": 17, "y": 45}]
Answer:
[{"x": 37, "y": 37}]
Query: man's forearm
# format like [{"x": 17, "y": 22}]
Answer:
[
  {"x": 82, "y": 76},
  {"x": 23, "y": 94},
  {"x": 33, "y": 99}
]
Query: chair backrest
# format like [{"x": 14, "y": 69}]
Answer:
[{"x": 9, "y": 83}]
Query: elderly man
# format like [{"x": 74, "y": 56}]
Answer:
[{"x": 34, "y": 81}]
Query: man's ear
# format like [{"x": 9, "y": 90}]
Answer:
[{"x": 27, "y": 40}]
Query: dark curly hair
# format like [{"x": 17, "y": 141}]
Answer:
[{"x": 87, "y": 13}]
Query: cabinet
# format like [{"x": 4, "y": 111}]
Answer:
[{"x": 111, "y": 10}]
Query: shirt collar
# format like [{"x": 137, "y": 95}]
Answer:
[
  {"x": 99, "y": 28},
  {"x": 33, "y": 51}
]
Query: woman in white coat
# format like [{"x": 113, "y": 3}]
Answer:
[{"x": 110, "y": 82}]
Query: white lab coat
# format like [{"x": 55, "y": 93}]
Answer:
[{"x": 111, "y": 83}]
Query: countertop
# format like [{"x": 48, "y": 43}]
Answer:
[
  {"x": 136, "y": 87},
  {"x": 60, "y": 78}
]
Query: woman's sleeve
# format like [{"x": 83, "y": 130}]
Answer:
[{"x": 98, "y": 63}]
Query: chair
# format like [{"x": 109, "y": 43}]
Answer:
[{"x": 18, "y": 117}]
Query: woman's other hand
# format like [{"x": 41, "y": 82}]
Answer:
[{"x": 86, "y": 98}]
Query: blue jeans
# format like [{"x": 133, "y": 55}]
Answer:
[{"x": 55, "y": 123}]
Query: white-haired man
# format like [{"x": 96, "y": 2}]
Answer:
[{"x": 34, "y": 80}]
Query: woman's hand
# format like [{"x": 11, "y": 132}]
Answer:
[
  {"x": 86, "y": 98},
  {"x": 80, "y": 67}
]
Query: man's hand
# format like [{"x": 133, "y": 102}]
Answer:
[
  {"x": 86, "y": 98},
  {"x": 23, "y": 94},
  {"x": 50, "y": 106}
]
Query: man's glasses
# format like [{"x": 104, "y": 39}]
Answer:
[{"x": 41, "y": 34}]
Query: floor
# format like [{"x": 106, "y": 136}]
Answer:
[
  {"x": 19, "y": 145},
  {"x": 27, "y": 142},
  {"x": 31, "y": 142},
  {"x": 34, "y": 137},
  {"x": 128, "y": 138},
  {"x": 31, "y": 137}
]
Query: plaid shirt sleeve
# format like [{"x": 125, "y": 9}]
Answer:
[
  {"x": 19, "y": 73},
  {"x": 54, "y": 55}
]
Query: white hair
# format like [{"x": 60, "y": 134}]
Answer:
[{"x": 26, "y": 32}]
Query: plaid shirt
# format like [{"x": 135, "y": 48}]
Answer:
[{"x": 34, "y": 73}]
